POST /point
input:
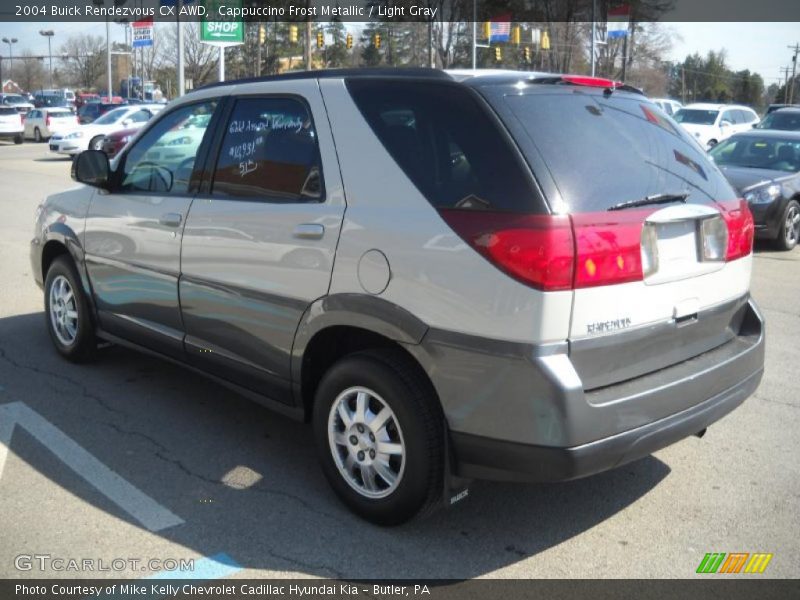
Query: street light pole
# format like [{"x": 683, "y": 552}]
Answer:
[
  {"x": 49, "y": 33},
  {"x": 10, "y": 56}
]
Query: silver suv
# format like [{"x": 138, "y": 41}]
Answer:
[{"x": 452, "y": 276}]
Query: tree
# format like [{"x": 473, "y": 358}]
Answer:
[
  {"x": 84, "y": 60},
  {"x": 30, "y": 74},
  {"x": 200, "y": 60}
]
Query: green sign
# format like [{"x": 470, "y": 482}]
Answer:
[{"x": 217, "y": 29}]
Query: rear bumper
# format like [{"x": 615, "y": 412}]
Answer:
[
  {"x": 530, "y": 418},
  {"x": 484, "y": 458}
]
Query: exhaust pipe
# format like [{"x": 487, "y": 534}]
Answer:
[{"x": 701, "y": 433}]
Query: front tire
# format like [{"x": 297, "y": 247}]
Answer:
[
  {"x": 378, "y": 429},
  {"x": 789, "y": 232},
  {"x": 96, "y": 143},
  {"x": 67, "y": 312}
]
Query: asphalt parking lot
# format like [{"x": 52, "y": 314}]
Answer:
[{"x": 204, "y": 472}]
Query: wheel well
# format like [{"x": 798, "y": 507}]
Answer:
[
  {"x": 50, "y": 252},
  {"x": 333, "y": 343}
]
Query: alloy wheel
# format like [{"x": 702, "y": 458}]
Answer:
[
  {"x": 792, "y": 226},
  {"x": 63, "y": 311},
  {"x": 366, "y": 442}
]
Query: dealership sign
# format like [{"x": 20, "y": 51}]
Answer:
[
  {"x": 143, "y": 33},
  {"x": 221, "y": 31}
]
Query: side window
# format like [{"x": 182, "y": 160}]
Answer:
[
  {"x": 140, "y": 116},
  {"x": 163, "y": 159},
  {"x": 444, "y": 141},
  {"x": 729, "y": 117},
  {"x": 741, "y": 117},
  {"x": 270, "y": 152}
]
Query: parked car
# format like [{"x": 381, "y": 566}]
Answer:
[
  {"x": 773, "y": 107},
  {"x": 11, "y": 125},
  {"x": 42, "y": 123},
  {"x": 712, "y": 123},
  {"x": 85, "y": 98},
  {"x": 16, "y": 101},
  {"x": 785, "y": 119},
  {"x": 52, "y": 102},
  {"x": 502, "y": 277},
  {"x": 115, "y": 141},
  {"x": 91, "y": 111},
  {"x": 63, "y": 93},
  {"x": 667, "y": 105},
  {"x": 764, "y": 167},
  {"x": 82, "y": 137}
]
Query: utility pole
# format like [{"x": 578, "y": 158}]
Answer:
[
  {"x": 307, "y": 48},
  {"x": 796, "y": 49},
  {"x": 785, "y": 71},
  {"x": 683, "y": 84},
  {"x": 181, "y": 73},
  {"x": 594, "y": 34}
]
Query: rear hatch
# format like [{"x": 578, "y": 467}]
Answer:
[
  {"x": 661, "y": 244},
  {"x": 10, "y": 119}
]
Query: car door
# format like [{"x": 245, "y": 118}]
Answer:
[
  {"x": 133, "y": 234},
  {"x": 30, "y": 122},
  {"x": 259, "y": 244}
]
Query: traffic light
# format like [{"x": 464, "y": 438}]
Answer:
[
  {"x": 545, "y": 40},
  {"x": 515, "y": 35},
  {"x": 320, "y": 39},
  {"x": 527, "y": 54},
  {"x": 293, "y": 34},
  {"x": 498, "y": 54},
  {"x": 262, "y": 34},
  {"x": 349, "y": 41},
  {"x": 377, "y": 41}
]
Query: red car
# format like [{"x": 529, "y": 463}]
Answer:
[{"x": 114, "y": 142}]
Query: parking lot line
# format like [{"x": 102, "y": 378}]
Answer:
[
  {"x": 133, "y": 501},
  {"x": 212, "y": 567}
]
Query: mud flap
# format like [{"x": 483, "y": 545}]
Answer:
[{"x": 456, "y": 488}]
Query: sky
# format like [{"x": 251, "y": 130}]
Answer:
[{"x": 760, "y": 47}]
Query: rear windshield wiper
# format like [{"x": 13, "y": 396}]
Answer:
[{"x": 654, "y": 199}]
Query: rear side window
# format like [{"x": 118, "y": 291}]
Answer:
[
  {"x": 606, "y": 150},
  {"x": 449, "y": 147},
  {"x": 270, "y": 152}
]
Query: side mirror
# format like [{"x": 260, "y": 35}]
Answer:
[
  {"x": 725, "y": 124},
  {"x": 91, "y": 167},
  {"x": 756, "y": 125},
  {"x": 126, "y": 122}
]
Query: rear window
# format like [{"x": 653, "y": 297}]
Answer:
[
  {"x": 696, "y": 116},
  {"x": 5, "y": 110},
  {"x": 603, "y": 151},
  {"x": 786, "y": 121},
  {"x": 446, "y": 143}
]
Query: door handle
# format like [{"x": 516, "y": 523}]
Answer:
[
  {"x": 170, "y": 220},
  {"x": 309, "y": 231}
]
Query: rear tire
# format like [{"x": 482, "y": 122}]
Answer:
[
  {"x": 789, "y": 232},
  {"x": 66, "y": 311},
  {"x": 378, "y": 431},
  {"x": 18, "y": 139},
  {"x": 37, "y": 136}
]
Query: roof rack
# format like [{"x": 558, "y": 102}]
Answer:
[{"x": 423, "y": 73}]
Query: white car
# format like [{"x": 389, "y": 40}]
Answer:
[
  {"x": 712, "y": 123},
  {"x": 42, "y": 123},
  {"x": 11, "y": 127},
  {"x": 667, "y": 105},
  {"x": 90, "y": 136}
]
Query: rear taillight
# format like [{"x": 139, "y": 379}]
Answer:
[
  {"x": 537, "y": 250},
  {"x": 608, "y": 247},
  {"x": 741, "y": 228},
  {"x": 560, "y": 252},
  {"x": 47, "y": 121}
]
